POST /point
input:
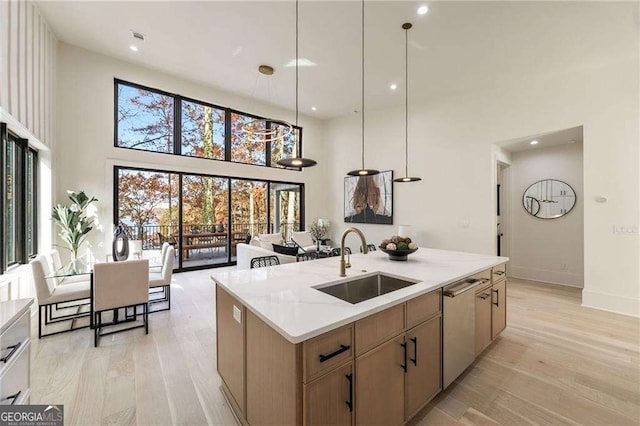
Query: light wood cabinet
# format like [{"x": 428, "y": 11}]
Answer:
[
  {"x": 329, "y": 399},
  {"x": 423, "y": 307},
  {"x": 499, "y": 308},
  {"x": 423, "y": 378},
  {"x": 499, "y": 272},
  {"x": 230, "y": 333},
  {"x": 327, "y": 351},
  {"x": 483, "y": 319},
  {"x": 379, "y": 384},
  {"x": 377, "y": 328}
]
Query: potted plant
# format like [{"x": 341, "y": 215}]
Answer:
[
  {"x": 319, "y": 229},
  {"x": 75, "y": 221}
]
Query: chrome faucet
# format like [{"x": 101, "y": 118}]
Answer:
[{"x": 344, "y": 265}]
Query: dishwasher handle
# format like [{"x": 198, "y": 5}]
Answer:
[{"x": 463, "y": 286}]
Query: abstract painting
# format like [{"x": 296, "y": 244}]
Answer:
[{"x": 369, "y": 199}]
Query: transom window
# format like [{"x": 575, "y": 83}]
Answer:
[{"x": 152, "y": 120}]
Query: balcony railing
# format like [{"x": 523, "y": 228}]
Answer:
[{"x": 153, "y": 236}]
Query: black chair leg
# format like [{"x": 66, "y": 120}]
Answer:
[
  {"x": 146, "y": 318},
  {"x": 39, "y": 322},
  {"x": 96, "y": 328},
  {"x": 168, "y": 290}
]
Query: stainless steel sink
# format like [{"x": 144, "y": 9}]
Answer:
[{"x": 364, "y": 288}]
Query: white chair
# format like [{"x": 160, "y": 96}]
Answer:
[
  {"x": 304, "y": 239},
  {"x": 163, "y": 252},
  {"x": 120, "y": 285},
  {"x": 163, "y": 279},
  {"x": 53, "y": 297},
  {"x": 55, "y": 264}
]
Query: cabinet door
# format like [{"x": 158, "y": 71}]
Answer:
[
  {"x": 499, "y": 306},
  {"x": 379, "y": 385},
  {"x": 483, "y": 319},
  {"x": 230, "y": 332},
  {"x": 424, "y": 369},
  {"x": 329, "y": 399}
]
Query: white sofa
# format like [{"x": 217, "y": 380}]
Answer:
[{"x": 246, "y": 252}]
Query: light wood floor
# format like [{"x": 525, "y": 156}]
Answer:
[{"x": 556, "y": 363}]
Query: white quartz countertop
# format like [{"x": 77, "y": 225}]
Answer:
[
  {"x": 285, "y": 298},
  {"x": 11, "y": 310}
]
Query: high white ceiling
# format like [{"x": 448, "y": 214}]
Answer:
[{"x": 456, "y": 47}]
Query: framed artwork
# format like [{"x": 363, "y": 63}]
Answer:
[{"x": 369, "y": 199}]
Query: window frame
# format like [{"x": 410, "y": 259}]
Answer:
[
  {"x": 179, "y": 267},
  {"x": 177, "y": 126},
  {"x": 20, "y": 254}
]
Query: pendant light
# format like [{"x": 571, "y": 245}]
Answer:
[
  {"x": 363, "y": 171},
  {"x": 297, "y": 161},
  {"x": 406, "y": 27},
  {"x": 256, "y": 130}
]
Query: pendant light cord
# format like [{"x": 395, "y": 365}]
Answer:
[
  {"x": 406, "y": 102},
  {"x": 363, "y": 84},
  {"x": 297, "y": 60}
]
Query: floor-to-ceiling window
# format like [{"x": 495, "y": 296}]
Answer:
[
  {"x": 204, "y": 217},
  {"x": 18, "y": 226}
]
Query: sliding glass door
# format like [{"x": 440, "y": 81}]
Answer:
[{"x": 204, "y": 217}]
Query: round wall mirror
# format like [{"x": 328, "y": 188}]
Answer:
[{"x": 549, "y": 199}]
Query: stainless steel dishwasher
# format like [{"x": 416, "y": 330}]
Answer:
[{"x": 459, "y": 328}]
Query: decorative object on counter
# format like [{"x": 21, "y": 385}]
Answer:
[
  {"x": 297, "y": 161},
  {"x": 120, "y": 244},
  {"x": 319, "y": 229},
  {"x": 362, "y": 171},
  {"x": 405, "y": 231},
  {"x": 75, "y": 221},
  {"x": 406, "y": 178},
  {"x": 369, "y": 199},
  {"x": 398, "y": 248},
  {"x": 549, "y": 199}
]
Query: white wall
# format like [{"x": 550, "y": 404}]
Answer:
[
  {"x": 450, "y": 148},
  {"x": 85, "y": 154},
  {"x": 540, "y": 247}
]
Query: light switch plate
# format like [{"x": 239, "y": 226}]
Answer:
[{"x": 237, "y": 314}]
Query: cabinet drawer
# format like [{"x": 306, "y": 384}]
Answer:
[
  {"x": 373, "y": 330},
  {"x": 13, "y": 339},
  {"x": 14, "y": 381},
  {"x": 327, "y": 351},
  {"x": 499, "y": 272},
  {"x": 423, "y": 307}
]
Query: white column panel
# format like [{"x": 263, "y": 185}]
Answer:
[
  {"x": 22, "y": 62},
  {"x": 13, "y": 59},
  {"x": 4, "y": 55},
  {"x": 29, "y": 65}
]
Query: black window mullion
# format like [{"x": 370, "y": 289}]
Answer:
[
  {"x": 3, "y": 171},
  {"x": 227, "y": 134},
  {"x": 180, "y": 240},
  {"x": 229, "y": 221},
  {"x": 177, "y": 125},
  {"x": 34, "y": 203},
  {"x": 267, "y": 151},
  {"x": 21, "y": 211}
]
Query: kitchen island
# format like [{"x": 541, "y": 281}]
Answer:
[{"x": 289, "y": 353}]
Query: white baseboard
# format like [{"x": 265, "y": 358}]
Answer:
[
  {"x": 611, "y": 303},
  {"x": 547, "y": 276}
]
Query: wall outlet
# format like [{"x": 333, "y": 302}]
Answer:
[
  {"x": 237, "y": 314},
  {"x": 625, "y": 229}
]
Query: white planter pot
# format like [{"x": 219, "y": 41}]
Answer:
[{"x": 135, "y": 250}]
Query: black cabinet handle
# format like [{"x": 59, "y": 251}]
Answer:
[
  {"x": 13, "y": 348},
  {"x": 499, "y": 273},
  {"x": 343, "y": 348},
  {"x": 484, "y": 296},
  {"x": 497, "y": 302},
  {"x": 350, "y": 401},
  {"x": 14, "y": 397},
  {"x": 414, "y": 360},
  {"x": 404, "y": 366}
]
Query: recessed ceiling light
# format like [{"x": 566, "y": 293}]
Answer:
[
  {"x": 302, "y": 62},
  {"x": 393, "y": 86},
  {"x": 314, "y": 109},
  {"x": 133, "y": 47},
  {"x": 422, "y": 10},
  {"x": 533, "y": 143}
]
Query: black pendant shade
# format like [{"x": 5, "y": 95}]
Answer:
[
  {"x": 297, "y": 162},
  {"x": 406, "y": 178},
  {"x": 363, "y": 172}
]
